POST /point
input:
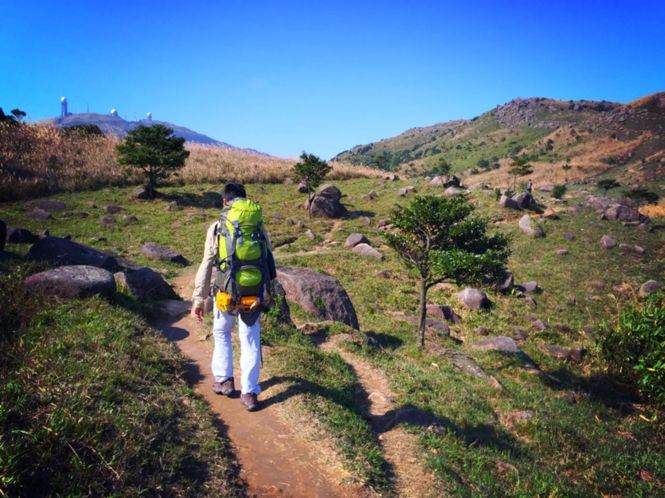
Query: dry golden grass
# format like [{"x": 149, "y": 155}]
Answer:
[
  {"x": 38, "y": 160},
  {"x": 654, "y": 210}
]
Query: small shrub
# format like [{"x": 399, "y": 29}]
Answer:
[
  {"x": 635, "y": 347},
  {"x": 643, "y": 196},
  {"x": 559, "y": 191},
  {"x": 607, "y": 184}
]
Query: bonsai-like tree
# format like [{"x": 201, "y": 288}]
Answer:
[
  {"x": 520, "y": 167},
  {"x": 438, "y": 241},
  {"x": 311, "y": 170},
  {"x": 155, "y": 151}
]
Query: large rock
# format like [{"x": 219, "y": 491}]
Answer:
[
  {"x": 452, "y": 192},
  {"x": 367, "y": 250},
  {"x": 141, "y": 193},
  {"x": 474, "y": 299},
  {"x": 20, "y": 236},
  {"x": 407, "y": 190},
  {"x": 318, "y": 294},
  {"x": 562, "y": 353},
  {"x": 508, "y": 202},
  {"x": 623, "y": 213},
  {"x": 607, "y": 242},
  {"x": 649, "y": 287},
  {"x": 529, "y": 227},
  {"x": 39, "y": 214},
  {"x": 525, "y": 200},
  {"x": 502, "y": 344},
  {"x": 66, "y": 252},
  {"x": 3, "y": 235},
  {"x": 430, "y": 323},
  {"x": 161, "y": 253},
  {"x": 354, "y": 239},
  {"x": 146, "y": 283},
  {"x": 326, "y": 202},
  {"x": 301, "y": 188},
  {"x": 443, "y": 311},
  {"x": 280, "y": 307},
  {"x": 72, "y": 282},
  {"x": 437, "y": 181},
  {"x": 51, "y": 205}
]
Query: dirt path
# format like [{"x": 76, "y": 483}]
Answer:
[
  {"x": 400, "y": 448},
  {"x": 274, "y": 460}
]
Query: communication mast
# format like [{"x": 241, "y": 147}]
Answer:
[{"x": 63, "y": 107}]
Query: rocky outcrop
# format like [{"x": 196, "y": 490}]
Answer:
[
  {"x": 39, "y": 214},
  {"x": 367, "y": 250},
  {"x": 474, "y": 299},
  {"x": 529, "y": 227},
  {"x": 326, "y": 202},
  {"x": 145, "y": 283},
  {"x": 72, "y": 282},
  {"x": 452, "y": 192},
  {"x": 161, "y": 253},
  {"x": 320, "y": 295},
  {"x": 649, "y": 287},
  {"x": 20, "y": 236},
  {"x": 354, "y": 239},
  {"x": 67, "y": 252}
]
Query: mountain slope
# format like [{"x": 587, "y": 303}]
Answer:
[
  {"x": 549, "y": 131},
  {"x": 115, "y": 125}
]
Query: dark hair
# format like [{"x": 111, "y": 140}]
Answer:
[{"x": 233, "y": 190}]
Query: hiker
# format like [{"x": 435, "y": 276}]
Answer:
[
  {"x": 238, "y": 246},
  {"x": 529, "y": 186}
]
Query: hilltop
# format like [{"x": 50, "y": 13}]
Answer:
[
  {"x": 115, "y": 125},
  {"x": 591, "y": 135}
]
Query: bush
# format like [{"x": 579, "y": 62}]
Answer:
[
  {"x": 607, "y": 184},
  {"x": 559, "y": 191},
  {"x": 642, "y": 196},
  {"x": 635, "y": 347}
]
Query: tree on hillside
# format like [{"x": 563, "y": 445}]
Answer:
[
  {"x": 438, "y": 241},
  {"x": 520, "y": 167},
  {"x": 155, "y": 151},
  {"x": 311, "y": 170},
  {"x": 607, "y": 184},
  {"x": 15, "y": 116}
]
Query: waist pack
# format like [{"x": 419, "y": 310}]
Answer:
[{"x": 242, "y": 260}]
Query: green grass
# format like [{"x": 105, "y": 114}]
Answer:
[
  {"x": 92, "y": 402},
  {"x": 586, "y": 439}
]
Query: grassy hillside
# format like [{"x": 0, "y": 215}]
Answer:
[
  {"x": 587, "y": 434},
  {"x": 591, "y": 135}
]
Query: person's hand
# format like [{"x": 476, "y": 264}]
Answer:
[{"x": 198, "y": 313}]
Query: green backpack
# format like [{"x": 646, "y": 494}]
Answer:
[{"x": 243, "y": 251}]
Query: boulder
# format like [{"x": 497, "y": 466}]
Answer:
[
  {"x": 161, "y": 253},
  {"x": 391, "y": 178},
  {"x": 382, "y": 274},
  {"x": 551, "y": 214},
  {"x": 546, "y": 188},
  {"x": 141, "y": 193},
  {"x": 507, "y": 202},
  {"x": 20, "y": 236},
  {"x": 649, "y": 287},
  {"x": 530, "y": 228},
  {"x": 568, "y": 236},
  {"x": 310, "y": 235},
  {"x": 452, "y": 192},
  {"x": 451, "y": 181},
  {"x": 367, "y": 250},
  {"x": 51, "y": 205},
  {"x": 561, "y": 252},
  {"x": 354, "y": 239},
  {"x": 445, "y": 312},
  {"x": 562, "y": 353},
  {"x": 365, "y": 220},
  {"x": 288, "y": 181},
  {"x": 145, "y": 283},
  {"x": 39, "y": 214},
  {"x": 107, "y": 220},
  {"x": 430, "y": 323},
  {"x": 540, "y": 325},
  {"x": 318, "y": 294},
  {"x": 607, "y": 242},
  {"x": 75, "y": 214},
  {"x": 600, "y": 203},
  {"x": 508, "y": 282},
  {"x": 530, "y": 286},
  {"x": 407, "y": 190},
  {"x": 3, "y": 235},
  {"x": 72, "y": 282},
  {"x": 437, "y": 181},
  {"x": 301, "y": 188},
  {"x": 525, "y": 201},
  {"x": 622, "y": 213},
  {"x": 370, "y": 196},
  {"x": 66, "y": 252},
  {"x": 130, "y": 218},
  {"x": 520, "y": 334},
  {"x": 326, "y": 202},
  {"x": 474, "y": 299},
  {"x": 501, "y": 343},
  {"x": 113, "y": 209}
]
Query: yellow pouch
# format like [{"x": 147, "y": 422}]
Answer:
[{"x": 222, "y": 301}]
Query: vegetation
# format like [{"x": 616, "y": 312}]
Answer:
[
  {"x": 155, "y": 151},
  {"x": 84, "y": 130},
  {"x": 435, "y": 238},
  {"x": 607, "y": 184},
  {"x": 520, "y": 167},
  {"x": 642, "y": 195},
  {"x": 559, "y": 191},
  {"x": 635, "y": 347},
  {"x": 14, "y": 117},
  {"x": 311, "y": 170}
]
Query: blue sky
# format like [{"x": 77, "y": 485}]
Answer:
[{"x": 321, "y": 76}]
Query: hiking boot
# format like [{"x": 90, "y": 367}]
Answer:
[
  {"x": 249, "y": 401},
  {"x": 226, "y": 387}
]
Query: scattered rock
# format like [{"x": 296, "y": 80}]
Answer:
[
  {"x": 564, "y": 329},
  {"x": 507, "y": 202},
  {"x": 288, "y": 181},
  {"x": 39, "y": 214},
  {"x": 72, "y": 282},
  {"x": 474, "y": 299},
  {"x": 525, "y": 200},
  {"x": 161, "y": 253},
  {"x": 354, "y": 239},
  {"x": 562, "y": 353},
  {"x": 518, "y": 416},
  {"x": 20, "y": 236},
  {"x": 75, "y": 214},
  {"x": 326, "y": 202},
  {"x": 318, "y": 294},
  {"x": 540, "y": 325},
  {"x": 452, "y": 192},
  {"x": 364, "y": 220},
  {"x": 367, "y": 250},
  {"x": 66, "y": 252},
  {"x": 107, "y": 220},
  {"x": 507, "y": 284},
  {"x": 382, "y": 274},
  {"x": 520, "y": 334},
  {"x": 500, "y": 343},
  {"x": 465, "y": 363},
  {"x": 300, "y": 224},
  {"x": 445, "y": 312},
  {"x": 113, "y": 209},
  {"x": 141, "y": 193},
  {"x": 51, "y": 205},
  {"x": 482, "y": 331},
  {"x": 546, "y": 188},
  {"x": 437, "y": 181},
  {"x": 607, "y": 242},
  {"x": 145, "y": 283},
  {"x": 645, "y": 227},
  {"x": 301, "y": 188},
  {"x": 407, "y": 190},
  {"x": 530, "y": 286},
  {"x": 649, "y": 287},
  {"x": 622, "y": 213},
  {"x": 561, "y": 252},
  {"x": 529, "y": 228},
  {"x": 370, "y": 196},
  {"x": 568, "y": 236},
  {"x": 310, "y": 235},
  {"x": 391, "y": 178},
  {"x": 551, "y": 214},
  {"x": 430, "y": 323},
  {"x": 130, "y": 218}
]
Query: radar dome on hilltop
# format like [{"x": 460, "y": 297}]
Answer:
[
  {"x": 63, "y": 99},
  {"x": 114, "y": 112},
  {"x": 148, "y": 115}
]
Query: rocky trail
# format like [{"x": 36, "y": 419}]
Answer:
[{"x": 274, "y": 459}]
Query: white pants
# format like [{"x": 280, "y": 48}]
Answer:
[{"x": 250, "y": 351}]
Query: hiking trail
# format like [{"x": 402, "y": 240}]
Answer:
[{"x": 274, "y": 458}]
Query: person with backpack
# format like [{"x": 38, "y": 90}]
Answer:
[{"x": 237, "y": 245}]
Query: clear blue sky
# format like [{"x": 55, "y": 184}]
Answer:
[{"x": 322, "y": 76}]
